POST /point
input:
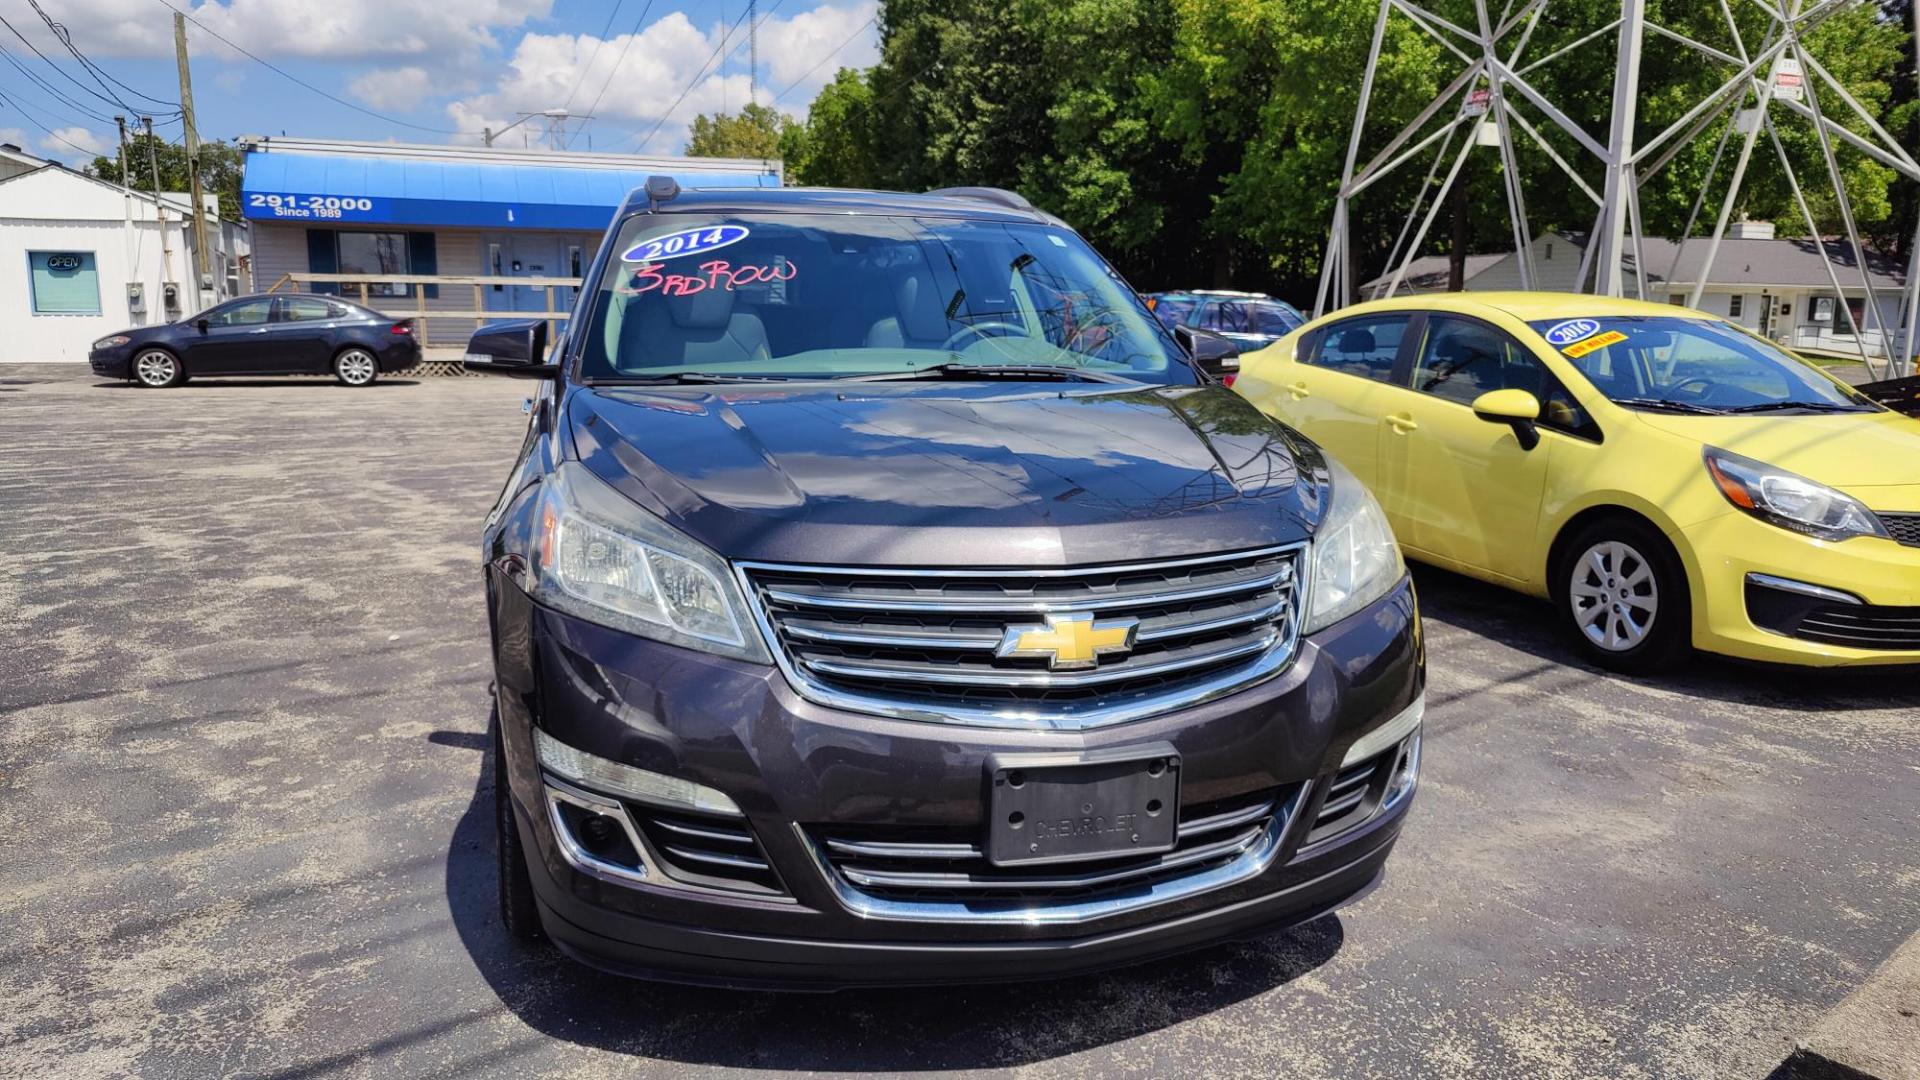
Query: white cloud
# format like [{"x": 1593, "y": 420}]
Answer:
[
  {"x": 441, "y": 32},
  {"x": 393, "y": 88},
  {"x": 658, "y": 65},
  {"x": 66, "y": 142}
]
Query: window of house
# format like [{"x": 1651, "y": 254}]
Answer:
[
  {"x": 1735, "y": 305},
  {"x": 1857, "y": 307},
  {"x": 371, "y": 253},
  {"x": 63, "y": 282}
]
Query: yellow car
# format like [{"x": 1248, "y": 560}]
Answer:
[{"x": 1664, "y": 477}]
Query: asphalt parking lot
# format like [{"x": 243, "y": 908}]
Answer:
[{"x": 244, "y": 824}]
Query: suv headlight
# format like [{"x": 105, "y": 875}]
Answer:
[
  {"x": 1355, "y": 558},
  {"x": 598, "y": 556},
  {"x": 1790, "y": 501}
]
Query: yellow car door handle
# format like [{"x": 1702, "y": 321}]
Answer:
[
  {"x": 1299, "y": 390},
  {"x": 1403, "y": 423}
]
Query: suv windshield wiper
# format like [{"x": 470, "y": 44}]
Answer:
[
  {"x": 1671, "y": 406},
  {"x": 1782, "y": 406},
  {"x": 992, "y": 371},
  {"x": 682, "y": 377}
]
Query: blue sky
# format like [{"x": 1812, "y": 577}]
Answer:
[{"x": 433, "y": 71}]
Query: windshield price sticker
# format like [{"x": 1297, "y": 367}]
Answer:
[
  {"x": 717, "y": 274},
  {"x": 1593, "y": 344},
  {"x": 676, "y": 245},
  {"x": 1564, "y": 334}
]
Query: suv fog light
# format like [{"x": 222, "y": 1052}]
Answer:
[{"x": 613, "y": 778}]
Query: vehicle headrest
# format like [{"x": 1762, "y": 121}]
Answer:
[
  {"x": 922, "y": 318},
  {"x": 1356, "y": 341},
  {"x": 707, "y": 309}
]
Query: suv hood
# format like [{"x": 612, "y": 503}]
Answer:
[{"x": 952, "y": 474}]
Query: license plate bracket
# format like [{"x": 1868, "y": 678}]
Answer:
[{"x": 1077, "y": 806}]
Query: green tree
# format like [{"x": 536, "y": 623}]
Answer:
[
  {"x": 753, "y": 132},
  {"x": 1201, "y": 141},
  {"x": 835, "y": 147},
  {"x": 220, "y": 168}
]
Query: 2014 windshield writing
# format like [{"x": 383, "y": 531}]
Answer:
[{"x": 717, "y": 274}]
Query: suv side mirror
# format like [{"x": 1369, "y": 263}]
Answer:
[
  {"x": 202, "y": 324},
  {"x": 1211, "y": 352},
  {"x": 516, "y": 349},
  {"x": 1515, "y": 408}
]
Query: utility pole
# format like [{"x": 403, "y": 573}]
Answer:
[
  {"x": 158, "y": 303},
  {"x": 126, "y": 209},
  {"x": 753, "y": 50},
  {"x": 193, "y": 162}
]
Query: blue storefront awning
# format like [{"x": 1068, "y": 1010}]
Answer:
[{"x": 322, "y": 189}]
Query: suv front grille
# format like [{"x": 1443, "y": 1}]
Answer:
[
  {"x": 927, "y": 643},
  {"x": 1903, "y": 527},
  {"x": 942, "y": 872}
]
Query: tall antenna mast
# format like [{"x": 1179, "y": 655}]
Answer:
[
  {"x": 753, "y": 49},
  {"x": 1778, "y": 79}
]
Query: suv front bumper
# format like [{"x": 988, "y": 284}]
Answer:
[{"x": 795, "y": 767}]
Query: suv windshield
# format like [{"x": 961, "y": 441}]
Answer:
[
  {"x": 1693, "y": 365},
  {"x": 811, "y": 295}
]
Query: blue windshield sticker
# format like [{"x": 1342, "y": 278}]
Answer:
[
  {"x": 676, "y": 245},
  {"x": 1564, "y": 334}
]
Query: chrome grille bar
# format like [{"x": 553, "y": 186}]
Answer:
[{"x": 927, "y": 644}]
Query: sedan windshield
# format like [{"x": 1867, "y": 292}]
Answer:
[
  {"x": 816, "y": 295},
  {"x": 1692, "y": 365}
]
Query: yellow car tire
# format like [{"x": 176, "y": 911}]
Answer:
[{"x": 1622, "y": 596}]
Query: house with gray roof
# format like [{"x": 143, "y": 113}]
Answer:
[{"x": 1777, "y": 287}]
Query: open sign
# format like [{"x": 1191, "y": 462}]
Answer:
[{"x": 60, "y": 261}]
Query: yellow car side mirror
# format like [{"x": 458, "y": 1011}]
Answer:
[
  {"x": 1506, "y": 406},
  {"x": 1515, "y": 408}
]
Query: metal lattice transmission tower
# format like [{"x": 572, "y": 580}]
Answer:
[{"x": 1768, "y": 80}]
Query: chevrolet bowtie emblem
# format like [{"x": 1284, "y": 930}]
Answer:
[{"x": 1069, "y": 641}]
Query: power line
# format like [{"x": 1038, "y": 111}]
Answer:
[
  {"x": 597, "y": 43},
  {"x": 823, "y": 61},
  {"x": 49, "y": 132},
  {"x": 100, "y": 75},
  {"x": 621, "y": 59},
  {"x": 42, "y": 84},
  {"x": 298, "y": 81},
  {"x": 695, "y": 81},
  {"x": 56, "y": 67}
]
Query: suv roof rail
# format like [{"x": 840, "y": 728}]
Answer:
[{"x": 998, "y": 196}]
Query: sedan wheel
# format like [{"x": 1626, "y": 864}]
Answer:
[
  {"x": 1623, "y": 594},
  {"x": 1615, "y": 599},
  {"x": 157, "y": 369},
  {"x": 356, "y": 367}
]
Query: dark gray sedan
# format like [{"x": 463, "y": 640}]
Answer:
[{"x": 281, "y": 334}]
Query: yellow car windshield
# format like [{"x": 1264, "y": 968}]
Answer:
[{"x": 1693, "y": 365}]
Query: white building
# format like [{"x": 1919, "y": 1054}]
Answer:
[
  {"x": 1777, "y": 288},
  {"x": 80, "y": 259}
]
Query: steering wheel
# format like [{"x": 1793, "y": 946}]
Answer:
[
  {"x": 980, "y": 330},
  {"x": 1679, "y": 389}
]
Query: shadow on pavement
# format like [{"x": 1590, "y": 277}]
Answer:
[
  {"x": 1527, "y": 625},
  {"x": 857, "y": 1030}
]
